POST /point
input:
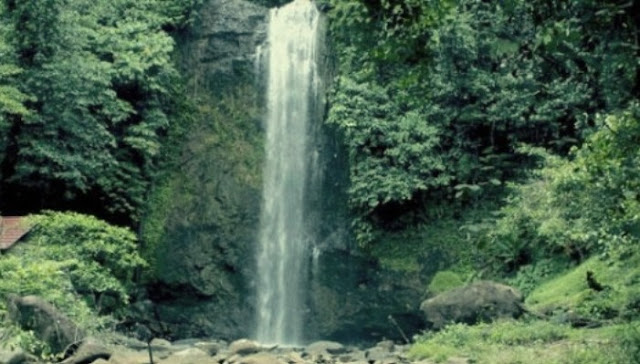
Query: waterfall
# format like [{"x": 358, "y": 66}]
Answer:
[{"x": 285, "y": 239}]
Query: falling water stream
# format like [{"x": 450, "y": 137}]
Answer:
[{"x": 284, "y": 243}]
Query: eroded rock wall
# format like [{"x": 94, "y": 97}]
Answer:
[
  {"x": 205, "y": 265},
  {"x": 204, "y": 258}
]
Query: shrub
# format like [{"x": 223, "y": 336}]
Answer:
[
  {"x": 630, "y": 342},
  {"x": 511, "y": 341},
  {"x": 78, "y": 263},
  {"x": 444, "y": 281},
  {"x": 100, "y": 259}
]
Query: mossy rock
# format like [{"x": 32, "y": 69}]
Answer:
[
  {"x": 444, "y": 281},
  {"x": 481, "y": 301}
]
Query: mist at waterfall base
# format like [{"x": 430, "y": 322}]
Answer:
[{"x": 284, "y": 243}]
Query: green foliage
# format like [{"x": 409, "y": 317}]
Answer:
[
  {"x": 570, "y": 292},
  {"x": 437, "y": 243},
  {"x": 68, "y": 257},
  {"x": 11, "y": 98},
  {"x": 575, "y": 207},
  {"x": 178, "y": 13},
  {"x": 444, "y": 281},
  {"x": 104, "y": 89},
  {"x": 14, "y": 337},
  {"x": 530, "y": 276},
  {"x": 78, "y": 263},
  {"x": 462, "y": 85},
  {"x": 630, "y": 342},
  {"x": 45, "y": 277},
  {"x": 474, "y": 341},
  {"x": 392, "y": 154}
]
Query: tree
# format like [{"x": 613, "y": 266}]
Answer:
[
  {"x": 103, "y": 83},
  {"x": 11, "y": 98},
  {"x": 482, "y": 78}
]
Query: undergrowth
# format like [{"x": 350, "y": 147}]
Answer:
[{"x": 530, "y": 342}]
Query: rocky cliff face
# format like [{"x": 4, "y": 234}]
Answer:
[
  {"x": 205, "y": 264},
  {"x": 219, "y": 52},
  {"x": 204, "y": 258}
]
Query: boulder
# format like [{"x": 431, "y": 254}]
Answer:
[
  {"x": 329, "y": 347},
  {"x": 378, "y": 355},
  {"x": 189, "y": 356},
  {"x": 160, "y": 344},
  {"x": 261, "y": 358},
  {"x": 20, "y": 357},
  {"x": 480, "y": 301},
  {"x": 25, "y": 359},
  {"x": 190, "y": 352},
  {"x": 386, "y": 345},
  {"x": 129, "y": 357},
  {"x": 244, "y": 347},
  {"x": 294, "y": 358},
  {"x": 7, "y": 353},
  {"x": 210, "y": 347},
  {"x": 47, "y": 323},
  {"x": 88, "y": 352}
]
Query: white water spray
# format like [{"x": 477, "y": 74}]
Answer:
[{"x": 283, "y": 249}]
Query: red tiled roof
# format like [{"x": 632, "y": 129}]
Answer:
[{"x": 12, "y": 228}]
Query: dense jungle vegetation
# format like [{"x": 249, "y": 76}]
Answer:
[
  {"x": 501, "y": 136},
  {"x": 496, "y": 139}
]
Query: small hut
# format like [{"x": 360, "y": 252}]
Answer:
[{"x": 12, "y": 229}]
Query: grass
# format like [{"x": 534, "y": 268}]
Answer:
[
  {"x": 569, "y": 292},
  {"x": 616, "y": 307},
  {"x": 524, "y": 342}
]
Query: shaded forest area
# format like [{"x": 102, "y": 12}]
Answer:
[
  {"x": 497, "y": 140},
  {"x": 89, "y": 97}
]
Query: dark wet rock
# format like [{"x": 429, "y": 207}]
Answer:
[
  {"x": 203, "y": 286},
  {"x": 481, "y": 301},
  {"x": 220, "y": 48},
  {"x": 351, "y": 299}
]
